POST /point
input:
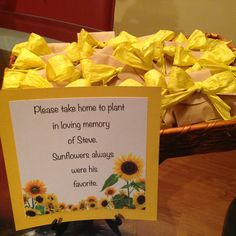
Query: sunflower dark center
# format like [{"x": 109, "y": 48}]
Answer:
[
  {"x": 30, "y": 213},
  {"x": 35, "y": 190},
  {"x": 39, "y": 199},
  {"x": 110, "y": 192},
  {"x": 129, "y": 168},
  {"x": 92, "y": 205},
  {"x": 104, "y": 203},
  {"x": 141, "y": 199}
]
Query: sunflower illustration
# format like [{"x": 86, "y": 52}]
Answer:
[
  {"x": 123, "y": 192},
  {"x": 35, "y": 187},
  {"x": 52, "y": 206},
  {"x": 139, "y": 200},
  {"x": 91, "y": 199},
  {"x": 31, "y": 212},
  {"x": 141, "y": 180},
  {"x": 40, "y": 199},
  {"x": 83, "y": 205},
  {"x": 70, "y": 206},
  {"x": 52, "y": 198},
  {"x": 110, "y": 191},
  {"x": 93, "y": 205},
  {"x": 26, "y": 197},
  {"x": 75, "y": 207},
  {"x": 62, "y": 206},
  {"x": 103, "y": 203},
  {"x": 128, "y": 167}
]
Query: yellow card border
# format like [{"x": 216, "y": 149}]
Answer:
[{"x": 152, "y": 152}]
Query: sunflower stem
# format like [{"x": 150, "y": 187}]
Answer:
[
  {"x": 32, "y": 203},
  {"x": 28, "y": 203},
  {"x": 131, "y": 191},
  {"x": 128, "y": 188}
]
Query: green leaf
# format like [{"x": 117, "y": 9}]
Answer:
[
  {"x": 118, "y": 201},
  {"x": 113, "y": 179},
  {"x": 40, "y": 208},
  {"x": 139, "y": 185},
  {"x": 128, "y": 202},
  {"x": 125, "y": 186}
]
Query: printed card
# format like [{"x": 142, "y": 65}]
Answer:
[{"x": 81, "y": 153}]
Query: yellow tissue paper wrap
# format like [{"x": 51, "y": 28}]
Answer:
[
  {"x": 123, "y": 38},
  {"x": 34, "y": 80},
  {"x": 78, "y": 51},
  {"x": 79, "y": 83},
  {"x": 154, "y": 78},
  {"x": 223, "y": 53},
  {"x": 12, "y": 79},
  {"x": 98, "y": 72},
  {"x": 28, "y": 60},
  {"x": 139, "y": 55},
  {"x": 130, "y": 83},
  {"x": 18, "y": 47},
  {"x": 181, "y": 86},
  {"x": 183, "y": 57},
  {"x": 85, "y": 36},
  {"x": 180, "y": 38},
  {"x": 208, "y": 60},
  {"x": 163, "y": 35},
  {"x": 60, "y": 70},
  {"x": 38, "y": 45},
  {"x": 197, "y": 40}
]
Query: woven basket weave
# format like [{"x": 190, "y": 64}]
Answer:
[{"x": 198, "y": 139}]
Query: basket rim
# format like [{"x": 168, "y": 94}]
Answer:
[{"x": 198, "y": 127}]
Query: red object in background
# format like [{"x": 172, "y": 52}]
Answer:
[{"x": 57, "y": 19}]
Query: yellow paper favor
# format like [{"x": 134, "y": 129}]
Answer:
[
  {"x": 85, "y": 36},
  {"x": 181, "y": 86},
  {"x": 122, "y": 38},
  {"x": 60, "y": 69},
  {"x": 98, "y": 72},
  {"x": 183, "y": 57},
  {"x": 38, "y": 45},
  {"x": 18, "y": 47},
  {"x": 197, "y": 40},
  {"x": 78, "y": 51},
  {"x": 139, "y": 55},
  {"x": 223, "y": 53},
  {"x": 180, "y": 38},
  {"x": 28, "y": 60},
  {"x": 195, "y": 67},
  {"x": 79, "y": 83},
  {"x": 155, "y": 78},
  {"x": 163, "y": 35},
  {"x": 12, "y": 79},
  {"x": 208, "y": 60},
  {"x": 34, "y": 80},
  {"x": 130, "y": 83}
]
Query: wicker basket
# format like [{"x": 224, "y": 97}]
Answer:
[{"x": 197, "y": 138}]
